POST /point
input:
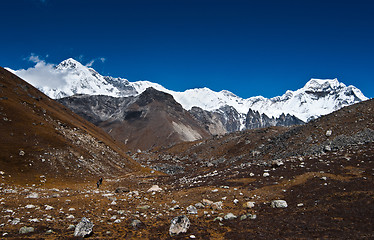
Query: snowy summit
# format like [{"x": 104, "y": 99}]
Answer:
[{"x": 318, "y": 96}]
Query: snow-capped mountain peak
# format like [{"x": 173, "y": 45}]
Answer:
[{"x": 318, "y": 96}]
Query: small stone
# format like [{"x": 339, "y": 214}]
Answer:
[
  {"x": 327, "y": 148},
  {"x": 143, "y": 207},
  {"x": 243, "y": 217},
  {"x": 33, "y": 195},
  {"x": 236, "y": 201},
  {"x": 71, "y": 227},
  {"x": 117, "y": 221},
  {"x": 199, "y": 205},
  {"x": 22, "y": 153},
  {"x": 50, "y": 231},
  {"x": 179, "y": 225},
  {"x": 300, "y": 204},
  {"x": 251, "y": 174},
  {"x": 207, "y": 202},
  {"x": 24, "y": 230},
  {"x": 218, "y": 219},
  {"x": 192, "y": 236},
  {"x": 249, "y": 205},
  {"x": 328, "y": 133},
  {"x": 70, "y": 217},
  {"x": 279, "y": 204},
  {"x": 266, "y": 174},
  {"x": 15, "y": 221},
  {"x": 47, "y": 207},
  {"x": 229, "y": 216},
  {"x": 191, "y": 209},
  {"x": 215, "y": 190},
  {"x": 29, "y": 206},
  {"x": 83, "y": 228},
  {"x": 217, "y": 205}
]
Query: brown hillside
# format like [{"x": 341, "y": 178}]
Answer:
[{"x": 41, "y": 137}]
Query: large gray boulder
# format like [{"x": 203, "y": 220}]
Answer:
[
  {"x": 84, "y": 228},
  {"x": 179, "y": 225}
]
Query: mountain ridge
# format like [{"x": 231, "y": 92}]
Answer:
[{"x": 317, "y": 97}]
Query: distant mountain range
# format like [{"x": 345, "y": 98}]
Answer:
[{"x": 214, "y": 112}]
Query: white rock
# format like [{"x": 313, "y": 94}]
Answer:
[
  {"x": 236, "y": 201},
  {"x": 229, "y": 216},
  {"x": 29, "y": 206},
  {"x": 83, "y": 228},
  {"x": 47, "y": 207},
  {"x": 328, "y": 133},
  {"x": 279, "y": 204},
  {"x": 71, "y": 209},
  {"x": 249, "y": 205},
  {"x": 155, "y": 188},
  {"x": 191, "y": 209},
  {"x": 179, "y": 225},
  {"x": 70, "y": 217},
  {"x": 33, "y": 195},
  {"x": 266, "y": 174}
]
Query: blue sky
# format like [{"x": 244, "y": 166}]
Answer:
[{"x": 250, "y": 48}]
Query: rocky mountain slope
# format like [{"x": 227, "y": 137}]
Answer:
[
  {"x": 148, "y": 120},
  {"x": 40, "y": 137}
]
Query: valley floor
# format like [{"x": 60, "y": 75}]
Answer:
[{"x": 328, "y": 196}]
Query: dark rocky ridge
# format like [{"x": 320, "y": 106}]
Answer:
[{"x": 148, "y": 120}]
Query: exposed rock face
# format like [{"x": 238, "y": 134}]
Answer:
[
  {"x": 150, "y": 119},
  {"x": 84, "y": 228},
  {"x": 256, "y": 120},
  {"x": 226, "y": 120},
  {"x": 179, "y": 225}
]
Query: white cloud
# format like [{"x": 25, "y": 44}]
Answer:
[
  {"x": 42, "y": 74},
  {"x": 90, "y": 63}
]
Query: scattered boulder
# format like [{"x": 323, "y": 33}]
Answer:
[
  {"x": 199, "y": 205},
  {"x": 33, "y": 195},
  {"x": 47, "y": 207},
  {"x": 179, "y": 225},
  {"x": 137, "y": 224},
  {"x": 279, "y": 204},
  {"x": 276, "y": 163},
  {"x": 25, "y": 230},
  {"x": 143, "y": 207},
  {"x": 249, "y": 205},
  {"x": 191, "y": 209},
  {"x": 155, "y": 188},
  {"x": 328, "y": 133},
  {"x": 122, "y": 190},
  {"x": 217, "y": 205},
  {"x": 229, "y": 216},
  {"x": 207, "y": 202},
  {"x": 84, "y": 228}
]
